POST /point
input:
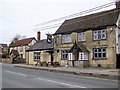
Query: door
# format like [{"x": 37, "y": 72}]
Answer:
[
  {"x": 51, "y": 58},
  {"x": 118, "y": 61}
]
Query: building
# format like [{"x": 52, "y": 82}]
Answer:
[
  {"x": 89, "y": 41},
  {"x": 42, "y": 51},
  {"x": 18, "y": 49},
  {"x": 3, "y": 49}
]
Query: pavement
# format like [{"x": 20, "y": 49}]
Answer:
[{"x": 113, "y": 74}]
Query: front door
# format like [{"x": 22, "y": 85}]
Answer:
[
  {"x": 118, "y": 61},
  {"x": 74, "y": 62},
  {"x": 51, "y": 58}
]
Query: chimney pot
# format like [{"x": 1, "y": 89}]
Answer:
[{"x": 38, "y": 36}]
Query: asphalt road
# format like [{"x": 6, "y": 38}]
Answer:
[{"x": 14, "y": 77}]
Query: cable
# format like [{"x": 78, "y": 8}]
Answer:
[
  {"x": 64, "y": 18},
  {"x": 77, "y": 14},
  {"x": 87, "y": 11}
]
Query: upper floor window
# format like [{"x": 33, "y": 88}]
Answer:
[
  {"x": 99, "y": 53},
  {"x": 81, "y": 36},
  {"x": 36, "y": 55},
  {"x": 99, "y": 34},
  {"x": 66, "y": 38}
]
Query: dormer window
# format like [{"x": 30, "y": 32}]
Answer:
[
  {"x": 99, "y": 34},
  {"x": 66, "y": 38}
]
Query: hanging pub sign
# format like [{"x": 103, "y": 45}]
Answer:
[{"x": 49, "y": 38}]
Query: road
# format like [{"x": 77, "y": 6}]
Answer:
[{"x": 15, "y": 77}]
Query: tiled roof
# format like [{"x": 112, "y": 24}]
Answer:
[
  {"x": 3, "y": 45},
  {"x": 22, "y": 42},
  {"x": 41, "y": 45},
  {"x": 92, "y": 21}
]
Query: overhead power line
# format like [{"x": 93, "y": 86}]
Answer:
[
  {"x": 68, "y": 23},
  {"x": 77, "y": 14}
]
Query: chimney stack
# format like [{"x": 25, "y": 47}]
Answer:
[
  {"x": 117, "y": 3},
  {"x": 38, "y": 36}
]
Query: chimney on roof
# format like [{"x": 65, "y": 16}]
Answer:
[
  {"x": 117, "y": 3},
  {"x": 38, "y": 36}
]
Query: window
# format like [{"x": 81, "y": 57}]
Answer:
[
  {"x": 83, "y": 56},
  {"x": 71, "y": 56},
  {"x": 66, "y": 38},
  {"x": 99, "y": 53},
  {"x": 99, "y": 34},
  {"x": 21, "y": 49},
  {"x": 81, "y": 36},
  {"x": 64, "y": 54},
  {"x": 36, "y": 55},
  {"x": 4, "y": 49}
]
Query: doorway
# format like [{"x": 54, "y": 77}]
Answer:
[{"x": 118, "y": 61}]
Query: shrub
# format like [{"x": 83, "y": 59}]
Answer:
[{"x": 4, "y": 56}]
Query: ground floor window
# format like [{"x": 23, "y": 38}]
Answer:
[
  {"x": 36, "y": 55},
  {"x": 99, "y": 53},
  {"x": 71, "y": 56},
  {"x": 83, "y": 56},
  {"x": 64, "y": 54}
]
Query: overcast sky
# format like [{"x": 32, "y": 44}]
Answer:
[{"x": 22, "y": 16}]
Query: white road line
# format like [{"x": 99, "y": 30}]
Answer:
[
  {"x": 16, "y": 73},
  {"x": 71, "y": 85}
]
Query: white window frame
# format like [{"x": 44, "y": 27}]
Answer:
[
  {"x": 64, "y": 54},
  {"x": 71, "y": 56},
  {"x": 81, "y": 36},
  {"x": 66, "y": 38},
  {"x": 37, "y": 55},
  {"x": 83, "y": 56},
  {"x": 99, "y": 34},
  {"x": 100, "y": 53}
]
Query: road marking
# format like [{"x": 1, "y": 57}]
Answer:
[
  {"x": 16, "y": 73},
  {"x": 71, "y": 85},
  {"x": 89, "y": 77}
]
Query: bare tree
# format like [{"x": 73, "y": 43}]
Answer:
[{"x": 17, "y": 37}]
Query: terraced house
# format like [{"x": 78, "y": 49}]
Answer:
[{"x": 89, "y": 41}]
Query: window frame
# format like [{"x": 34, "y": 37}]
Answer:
[
  {"x": 100, "y": 34},
  {"x": 98, "y": 53},
  {"x": 83, "y": 56},
  {"x": 65, "y": 39},
  {"x": 81, "y": 36},
  {"x": 65, "y": 52},
  {"x": 37, "y": 56}
]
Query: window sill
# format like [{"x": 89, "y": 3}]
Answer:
[
  {"x": 83, "y": 60},
  {"x": 81, "y": 41},
  {"x": 64, "y": 59},
  {"x": 67, "y": 43},
  {"x": 100, "y": 40},
  {"x": 36, "y": 59},
  {"x": 99, "y": 59}
]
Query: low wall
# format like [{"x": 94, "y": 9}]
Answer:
[{"x": 6, "y": 60}]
